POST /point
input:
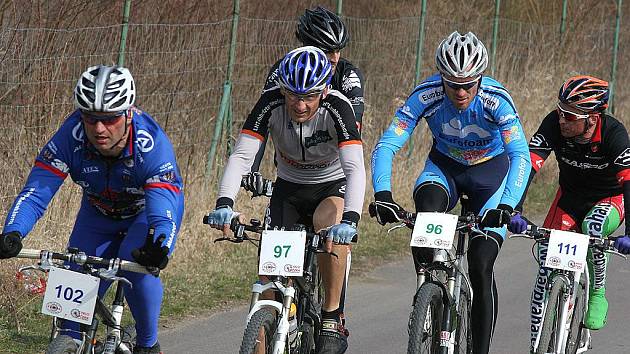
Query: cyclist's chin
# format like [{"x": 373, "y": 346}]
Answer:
[{"x": 301, "y": 117}]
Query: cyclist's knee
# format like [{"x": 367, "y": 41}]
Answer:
[
  {"x": 328, "y": 213},
  {"x": 431, "y": 196}
]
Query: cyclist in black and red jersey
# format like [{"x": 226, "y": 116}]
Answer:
[{"x": 593, "y": 153}]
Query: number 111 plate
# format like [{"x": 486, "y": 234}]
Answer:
[
  {"x": 282, "y": 253},
  {"x": 434, "y": 230}
]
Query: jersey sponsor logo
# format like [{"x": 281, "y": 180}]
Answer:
[
  {"x": 538, "y": 141},
  {"x": 91, "y": 169},
  {"x": 466, "y": 143},
  {"x": 624, "y": 158},
  {"x": 166, "y": 167},
  {"x": 399, "y": 126},
  {"x": 431, "y": 95},
  {"x": 454, "y": 128},
  {"x": 470, "y": 156},
  {"x": 522, "y": 165},
  {"x": 507, "y": 118},
  {"x": 335, "y": 113},
  {"x": 263, "y": 112},
  {"x": 128, "y": 162},
  {"x": 318, "y": 137},
  {"x": 511, "y": 135},
  {"x": 406, "y": 110},
  {"x": 583, "y": 165},
  {"x": 77, "y": 132},
  {"x": 60, "y": 165},
  {"x": 145, "y": 140},
  {"x": 596, "y": 218},
  {"x": 307, "y": 166},
  {"x": 342, "y": 189},
  {"x": 351, "y": 81},
  {"x": 490, "y": 102},
  {"x": 18, "y": 205}
]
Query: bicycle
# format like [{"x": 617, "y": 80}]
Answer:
[
  {"x": 440, "y": 319},
  {"x": 73, "y": 295},
  {"x": 291, "y": 323},
  {"x": 566, "y": 292}
]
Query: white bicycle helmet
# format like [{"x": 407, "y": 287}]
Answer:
[
  {"x": 105, "y": 89},
  {"x": 461, "y": 56}
]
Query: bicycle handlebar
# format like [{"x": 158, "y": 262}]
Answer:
[
  {"x": 539, "y": 234},
  {"x": 409, "y": 218}
]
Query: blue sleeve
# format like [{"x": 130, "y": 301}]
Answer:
[
  {"x": 45, "y": 178},
  {"x": 394, "y": 138},
  {"x": 164, "y": 193},
  {"x": 515, "y": 145}
]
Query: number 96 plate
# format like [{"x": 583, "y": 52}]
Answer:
[{"x": 434, "y": 230}]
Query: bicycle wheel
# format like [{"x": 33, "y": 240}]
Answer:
[
  {"x": 262, "y": 323},
  {"x": 62, "y": 344},
  {"x": 579, "y": 309},
  {"x": 128, "y": 337},
  {"x": 307, "y": 340},
  {"x": 463, "y": 335},
  {"x": 550, "y": 324},
  {"x": 425, "y": 320}
]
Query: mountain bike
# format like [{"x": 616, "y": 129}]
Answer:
[
  {"x": 566, "y": 292},
  {"x": 72, "y": 295},
  {"x": 291, "y": 323},
  {"x": 440, "y": 319}
]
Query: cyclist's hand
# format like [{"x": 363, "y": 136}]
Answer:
[
  {"x": 10, "y": 244},
  {"x": 255, "y": 183},
  {"x": 387, "y": 209},
  {"x": 221, "y": 217},
  {"x": 153, "y": 253},
  {"x": 622, "y": 244},
  {"x": 342, "y": 233},
  {"x": 496, "y": 217},
  {"x": 518, "y": 224}
]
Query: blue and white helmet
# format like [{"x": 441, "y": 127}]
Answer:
[
  {"x": 105, "y": 89},
  {"x": 305, "y": 70}
]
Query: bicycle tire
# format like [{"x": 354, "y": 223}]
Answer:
[
  {"x": 307, "y": 339},
  {"x": 128, "y": 337},
  {"x": 549, "y": 325},
  {"x": 424, "y": 337},
  {"x": 579, "y": 309},
  {"x": 463, "y": 335},
  {"x": 265, "y": 320},
  {"x": 62, "y": 344}
]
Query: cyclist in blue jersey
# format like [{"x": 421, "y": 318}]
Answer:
[
  {"x": 132, "y": 189},
  {"x": 479, "y": 149}
]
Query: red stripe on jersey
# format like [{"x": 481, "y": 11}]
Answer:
[
  {"x": 253, "y": 133},
  {"x": 623, "y": 176},
  {"x": 537, "y": 161},
  {"x": 168, "y": 186},
  {"x": 52, "y": 169},
  {"x": 350, "y": 142}
]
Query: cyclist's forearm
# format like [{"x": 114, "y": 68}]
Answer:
[
  {"x": 238, "y": 165},
  {"x": 351, "y": 157}
]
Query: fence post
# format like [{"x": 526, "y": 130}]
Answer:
[
  {"x": 614, "y": 58},
  {"x": 495, "y": 34},
  {"x": 339, "y": 7},
  {"x": 563, "y": 21},
  {"x": 123, "y": 33},
  {"x": 419, "y": 46},
  {"x": 227, "y": 92}
]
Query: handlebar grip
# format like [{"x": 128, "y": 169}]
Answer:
[
  {"x": 29, "y": 253},
  {"x": 205, "y": 219}
]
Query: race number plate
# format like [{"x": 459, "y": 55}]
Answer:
[
  {"x": 282, "y": 253},
  {"x": 434, "y": 230},
  {"x": 70, "y": 295},
  {"x": 567, "y": 250}
]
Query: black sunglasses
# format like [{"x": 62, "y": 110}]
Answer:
[
  {"x": 461, "y": 85},
  {"x": 92, "y": 119}
]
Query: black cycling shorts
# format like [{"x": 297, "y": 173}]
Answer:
[{"x": 293, "y": 203}]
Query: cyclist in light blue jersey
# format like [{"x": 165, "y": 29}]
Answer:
[{"x": 479, "y": 149}]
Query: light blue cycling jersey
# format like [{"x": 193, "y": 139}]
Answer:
[{"x": 488, "y": 127}]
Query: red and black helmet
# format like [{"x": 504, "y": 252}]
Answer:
[{"x": 586, "y": 93}]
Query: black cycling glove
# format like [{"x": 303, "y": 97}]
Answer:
[
  {"x": 497, "y": 217},
  {"x": 387, "y": 210},
  {"x": 255, "y": 183},
  {"x": 152, "y": 254},
  {"x": 10, "y": 244}
]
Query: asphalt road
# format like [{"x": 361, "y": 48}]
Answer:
[{"x": 379, "y": 304}]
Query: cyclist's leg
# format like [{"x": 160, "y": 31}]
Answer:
[
  {"x": 434, "y": 191},
  {"x": 95, "y": 235},
  {"x": 557, "y": 218},
  {"x": 601, "y": 221}
]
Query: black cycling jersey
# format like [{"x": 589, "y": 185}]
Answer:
[{"x": 588, "y": 171}]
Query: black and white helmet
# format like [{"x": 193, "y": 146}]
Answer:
[
  {"x": 105, "y": 89},
  {"x": 323, "y": 29},
  {"x": 461, "y": 56}
]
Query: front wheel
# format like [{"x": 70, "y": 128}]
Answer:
[
  {"x": 463, "y": 335},
  {"x": 553, "y": 312},
  {"x": 425, "y": 320},
  {"x": 62, "y": 344},
  {"x": 579, "y": 309},
  {"x": 258, "y": 336}
]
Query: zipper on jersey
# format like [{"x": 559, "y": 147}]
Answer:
[{"x": 302, "y": 144}]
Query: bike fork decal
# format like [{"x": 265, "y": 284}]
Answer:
[{"x": 538, "y": 295}]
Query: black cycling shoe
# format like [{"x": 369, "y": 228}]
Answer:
[
  {"x": 333, "y": 338},
  {"x": 155, "y": 349}
]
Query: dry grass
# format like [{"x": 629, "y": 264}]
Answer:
[{"x": 177, "y": 51}]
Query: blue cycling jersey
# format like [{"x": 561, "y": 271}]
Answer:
[
  {"x": 145, "y": 177},
  {"x": 488, "y": 127}
]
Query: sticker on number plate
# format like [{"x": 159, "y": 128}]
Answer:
[
  {"x": 567, "y": 250},
  {"x": 70, "y": 295},
  {"x": 434, "y": 230},
  {"x": 282, "y": 253}
]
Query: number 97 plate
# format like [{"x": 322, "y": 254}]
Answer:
[
  {"x": 282, "y": 253},
  {"x": 434, "y": 230}
]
